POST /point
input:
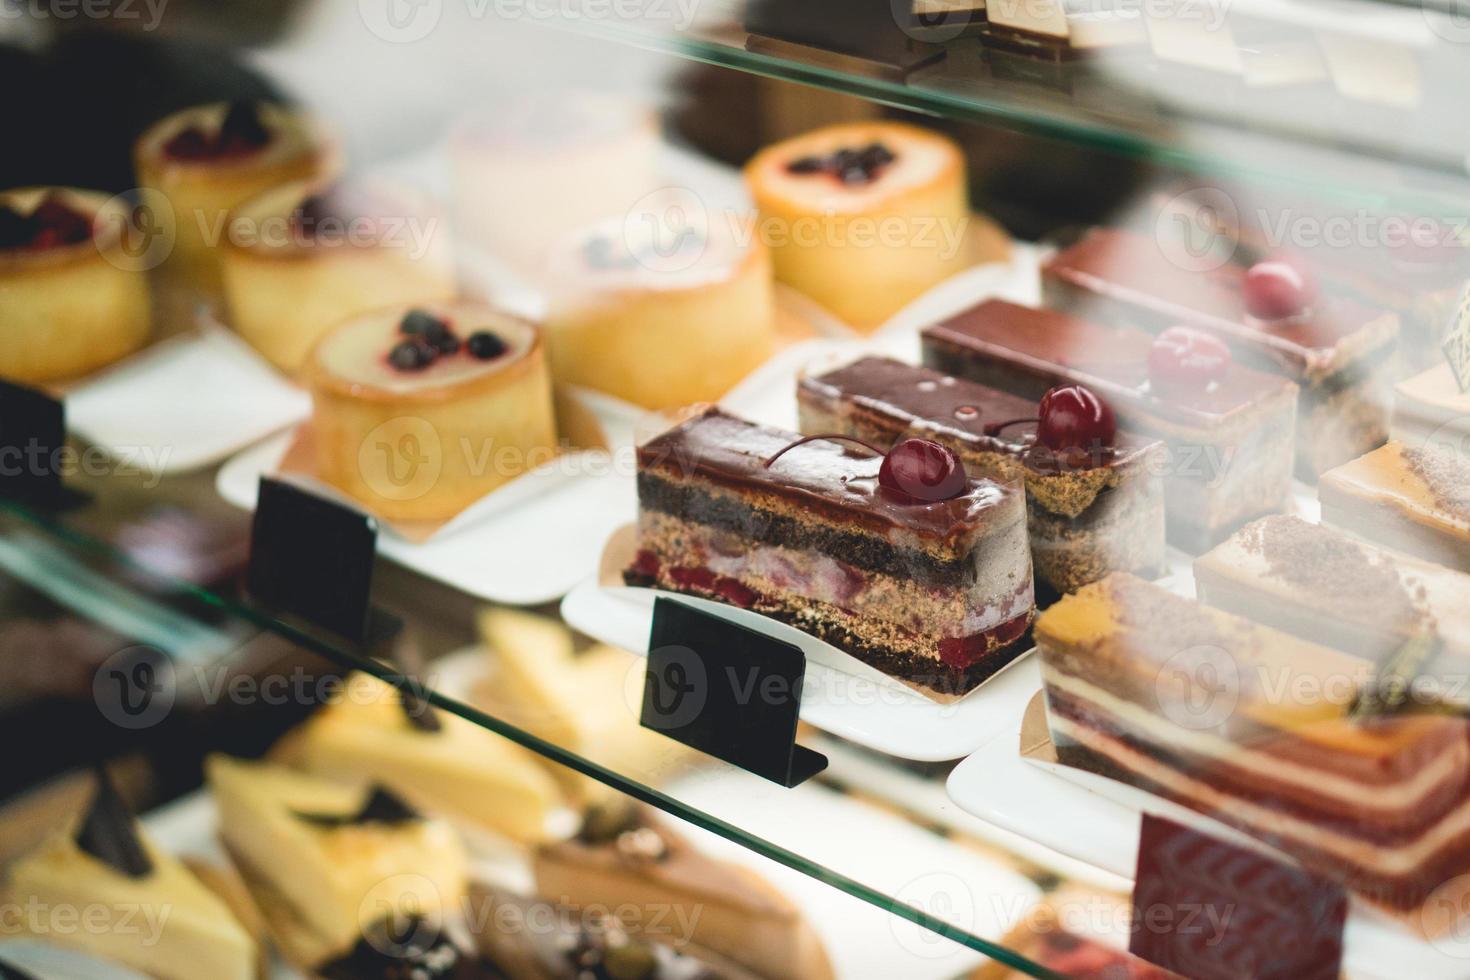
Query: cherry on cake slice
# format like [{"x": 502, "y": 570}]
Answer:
[
  {"x": 1342, "y": 352},
  {"x": 900, "y": 560},
  {"x": 121, "y": 888},
  {"x": 1325, "y": 585},
  {"x": 1256, "y": 728},
  {"x": 1415, "y": 500},
  {"x": 1228, "y": 428},
  {"x": 1094, "y": 495}
]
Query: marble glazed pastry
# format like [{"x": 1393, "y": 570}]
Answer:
[
  {"x": 71, "y": 299},
  {"x": 302, "y": 257},
  {"x": 206, "y": 160},
  {"x": 419, "y": 412}
]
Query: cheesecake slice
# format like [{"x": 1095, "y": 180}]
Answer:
[
  {"x": 1415, "y": 500},
  {"x": 438, "y": 762},
  {"x": 142, "y": 908},
  {"x": 1088, "y": 512},
  {"x": 1324, "y": 585},
  {"x": 326, "y": 862},
  {"x": 898, "y": 559},
  {"x": 1258, "y": 729},
  {"x": 636, "y": 866}
]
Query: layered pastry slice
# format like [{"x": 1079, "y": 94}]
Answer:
[
  {"x": 1415, "y": 500},
  {"x": 327, "y": 863},
  {"x": 579, "y": 700},
  {"x": 635, "y": 866},
  {"x": 1342, "y": 352},
  {"x": 1322, "y": 584},
  {"x": 205, "y": 160},
  {"x": 1432, "y": 408},
  {"x": 420, "y": 411},
  {"x": 72, "y": 299},
  {"x": 1094, "y": 496},
  {"x": 1228, "y": 428},
  {"x": 107, "y": 871},
  {"x": 659, "y": 321},
  {"x": 900, "y": 560},
  {"x": 302, "y": 257},
  {"x": 1254, "y": 728},
  {"x": 863, "y": 217},
  {"x": 438, "y": 762}
]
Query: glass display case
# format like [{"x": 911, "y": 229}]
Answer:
[{"x": 911, "y": 488}]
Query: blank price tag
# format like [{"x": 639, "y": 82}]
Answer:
[
  {"x": 1457, "y": 342},
  {"x": 32, "y": 445}
]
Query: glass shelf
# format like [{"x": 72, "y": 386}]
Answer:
[{"x": 1352, "y": 100}]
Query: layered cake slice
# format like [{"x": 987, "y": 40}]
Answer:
[
  {"x": 1228, "y": 428},
  {"x": 899, "y": 560},
  {"x": 1342, "y": 352},
  {"x": 1091, "y": 509},
  {"x": 1415, "y": 500},
  {"x": 1322, "y": 584},
  {"x": 1431, "y": 407},
  {"x": 1254, "y": 728}
]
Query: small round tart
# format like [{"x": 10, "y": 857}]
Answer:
[
  {"x": 420, "y": 411},
  {"x": 541, "y": 167},
  {"x": 72, "y": 297},
  {"x": 301, "y": 258},
  {"x": 207, "y": 159},
  {"x": 659, "y": 323},
  {"x": 862, "y": 217}
]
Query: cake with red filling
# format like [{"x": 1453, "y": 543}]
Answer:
[
  {"x": 71, "y": 298},
  {"x": 207, "y": 159},
  {"x": 301, "y": 258},
  {"x": 1094, "y": 495},
  {"x": 1259, "y": 729},
  {"x": 863, "y": 217},
  {"x": 420, "y": 412},
  {"x": 901, "y": 560},
  {"x": 1342, "y": 352},
  {"x": 1228, "y": 428}
]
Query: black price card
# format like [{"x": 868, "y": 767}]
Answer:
[
  {"x": 1209, "y": 910},
  {"x": 1457, "y": 342},
  {"x": 32, "y": 444},
  {"x": 727, "y": 690},
  {"x": 313, "y": 559}
]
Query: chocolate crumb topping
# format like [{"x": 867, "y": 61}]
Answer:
[
  {"x": 381, "y": 806},
  {"x": 1325, "y": 562},
  {"x": 1447, "y": 477}
]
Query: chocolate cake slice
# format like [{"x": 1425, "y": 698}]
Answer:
[
  {"x": 1088, "y": 513},
  {"x": 1340, "y": 351},
  {"x": 1257, "y": 729},
  {"x": 899, "y": 560},
  {"x": 1228, "y": 428}
]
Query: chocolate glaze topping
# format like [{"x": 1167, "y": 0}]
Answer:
[
  {"x": 388, "y": 951},
  {"x": 381, "y": 806},
  {"x": 110, "y": 834},
  {"x": 976, "y": 415},
  {"x": 1130, "y": 268},
  {"x": 1043, "y": 347},
  {"x": 839, "y": 482}
]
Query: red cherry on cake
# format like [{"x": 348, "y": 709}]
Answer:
[
  {"x": 1278, "y": 289},
  {"x": 1073, "y": 417},
  {"x": 56, "y": 223},
  {"x": 1183, "y": 358},
  {"x": 922, "y": 471}
]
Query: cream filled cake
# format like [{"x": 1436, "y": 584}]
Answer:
[
  {"x": 419, "y": 412},
  {"x": 862, "y": 217},
  {"x": 71, "y": 297},
  {"x": 207, "y": 159},
  {"x": 303, "y": 257},
  {"x": 1431, "y": 407},
  {"x": 899, "y": 559},
  {"x": 541, "y": 167},
  {"x": 1415, "y": 500},
  {"x": 659, "y": 323}
]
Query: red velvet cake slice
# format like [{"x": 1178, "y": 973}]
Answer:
[
  {"x": 1091, "y": 510},
  {"x": 1343, "y": 353},
  {"x": 899, "y": 560},
  {"x": 1228, "y": 428}
]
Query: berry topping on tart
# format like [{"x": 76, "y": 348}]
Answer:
[
  {"x": 486, "y": 345},
  {"x": 1073, "y": 417},
  {"x": 427, "y": 338},
  {"x": 850, "y": 166},
  {"x": 1279, "y": 288},
  {"x": 1183, "y": 359},
  {"x": 241, "y": 133},
  {"x": 53, "y": 224}
]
